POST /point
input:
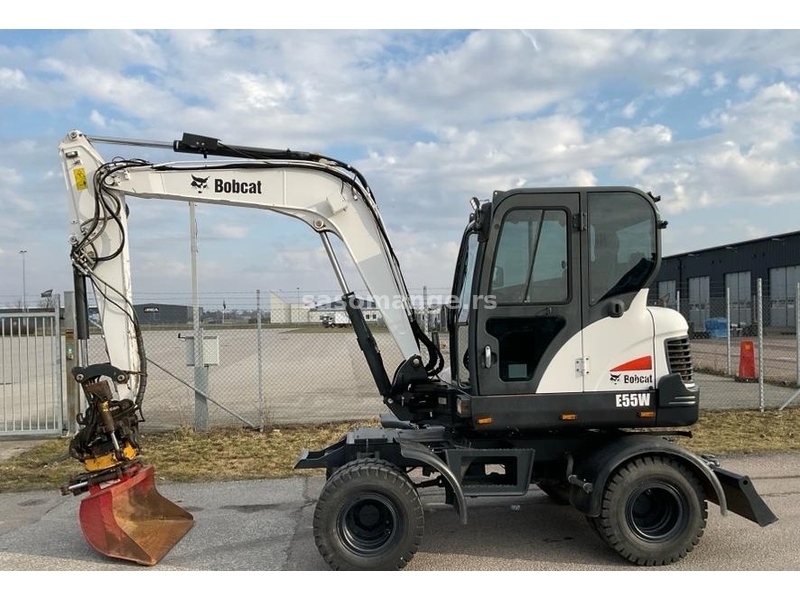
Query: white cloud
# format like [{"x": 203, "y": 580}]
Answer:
[
  {"x": 719, "y": 80},
  {"x": 431, "y": 118},
  {"x": 97, "y": 119},
  {"x": 629, "y": 110},
  {"x": 12, "y": 79},
  {"x": 229, "y": 231},
  {"x": 747, "y": 82},
  {"x": 10, "y": 176}
]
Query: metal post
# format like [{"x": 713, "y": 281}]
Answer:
[
  {"x": 58, "y": 379},
  {"x": 678, "y": 300},
  {"x": 200, "y": 372},
  {"x": 760, "y": 312},
  {"x": 797, "y": 343},
  {"x": 24, "y": 294},
  {"x": 425, "y": 308},
  {"x": 728, "y": 321},
  {"x": 70, "y": 361},
  {"x": 262, "y": 415}
]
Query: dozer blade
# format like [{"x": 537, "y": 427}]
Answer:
[{"x": 130, "y": 520}]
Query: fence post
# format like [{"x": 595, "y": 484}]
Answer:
[
  {"x": 262, "y": 415},
  {"x": 200, "y": 370},
  {"x": 728, "y": 323},
  {"x": 797, "y": 343},
  {"x": 70, "y": 361},
  {"x": 760, "y": 312},
  {"x": 57, "y": 352}
]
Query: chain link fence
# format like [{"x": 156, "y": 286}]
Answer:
[
  {"x": 745, "y": 347},
  {"x": 286, "y": 358},
  {"x": 289, "y": 363}
]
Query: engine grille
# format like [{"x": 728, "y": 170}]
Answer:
[{"x": 679, "y": 357}]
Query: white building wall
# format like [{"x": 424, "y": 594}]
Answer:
[{"x": 286, "y": 313}]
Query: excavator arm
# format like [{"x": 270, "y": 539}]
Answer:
[{"x": 328, "y": 195}]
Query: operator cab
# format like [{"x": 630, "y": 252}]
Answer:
[{"x": 536, "y": 268}]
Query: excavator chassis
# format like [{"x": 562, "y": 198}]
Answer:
[{"x": 643, "y": 494}]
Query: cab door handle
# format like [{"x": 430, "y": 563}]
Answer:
[{"x": 487, "y": 357}]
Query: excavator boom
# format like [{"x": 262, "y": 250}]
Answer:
[{"x": 124, "y": 516}]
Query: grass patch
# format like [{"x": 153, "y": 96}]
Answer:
[
  {"x": 745, "y": 431},
  {"x": 236, "y": 454}
]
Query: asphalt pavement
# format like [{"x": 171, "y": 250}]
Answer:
[{"x": 266, "y": 525}]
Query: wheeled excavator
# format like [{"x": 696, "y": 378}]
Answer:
[{"x": 560, "y": 374}]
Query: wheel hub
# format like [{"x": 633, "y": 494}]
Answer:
[
  {"x": 368, "y": 524},
  {"x": 657, "y": 512}
]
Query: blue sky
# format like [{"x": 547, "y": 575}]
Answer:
[{"x": 708, "y": 119}]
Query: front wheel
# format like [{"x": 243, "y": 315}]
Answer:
[
  {"x": 368, "y": 517},
  {"x": 653, "y": 511}
]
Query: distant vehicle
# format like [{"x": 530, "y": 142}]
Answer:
[{"x": 338, "y": 319}]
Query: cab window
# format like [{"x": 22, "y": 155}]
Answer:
[
  {"x": 622, "y": 243},
  {"x": 531, "y": 260}
]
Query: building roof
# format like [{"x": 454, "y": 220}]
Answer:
[{"x": 774, "y": 238}]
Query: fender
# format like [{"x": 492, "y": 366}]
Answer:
[
  {"x": 384, "y": 443},
  {"x": 596, "y": 468},
  {"x": 421, "y": 453}
]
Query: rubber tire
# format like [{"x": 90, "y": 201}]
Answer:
[
  {"x": 671, "y": 484},
  {"x": 370, "y": 484}
]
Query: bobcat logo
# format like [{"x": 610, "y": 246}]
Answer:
[
  {"x": 615, "y": 377},
  {"x": 200, "y": 183}
]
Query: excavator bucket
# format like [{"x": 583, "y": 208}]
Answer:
[{"x": 130, "y": 520}]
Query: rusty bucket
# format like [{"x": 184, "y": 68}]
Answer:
[{"x": 130, "y": 520}]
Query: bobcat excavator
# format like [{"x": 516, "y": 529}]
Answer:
[{"x": 560, "y": 374}]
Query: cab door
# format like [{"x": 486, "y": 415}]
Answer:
[{"x": 527, "y": 299}]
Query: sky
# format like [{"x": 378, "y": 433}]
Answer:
[{"x": 706, "y": 118}]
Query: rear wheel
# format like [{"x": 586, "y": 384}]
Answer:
[
  {"x": 368, "y": 517},
  {"x": 654, "y": 511}
]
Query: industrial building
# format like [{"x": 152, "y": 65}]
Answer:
[{"x": 710, "y": 284}]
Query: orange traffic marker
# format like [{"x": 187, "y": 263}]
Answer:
[{"x": 747, "y": 362}]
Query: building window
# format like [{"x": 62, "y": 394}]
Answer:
[
  {"x": 782, "y": 292},
  {"x": 738, "y": 286},
  {"x": 699, "y": 302}
]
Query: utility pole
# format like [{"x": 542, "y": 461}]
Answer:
[
  {"x": 426, "y": 323},
  {"x": 24, "y": 301},
  {"x": 200, "y": 372}
]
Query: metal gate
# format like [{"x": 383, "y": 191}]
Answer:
[{"x": 31, "y": 378}]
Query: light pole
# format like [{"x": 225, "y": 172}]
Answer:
[{"x": 24, "y": 302}]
